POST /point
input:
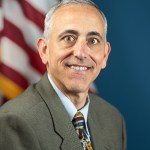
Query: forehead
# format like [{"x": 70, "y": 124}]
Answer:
[{"x": 78, "y": 16}]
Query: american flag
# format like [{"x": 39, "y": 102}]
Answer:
[{"x": 21, "y": 23}]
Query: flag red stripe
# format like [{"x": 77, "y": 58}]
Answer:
[
  {"x": 92, "y": 91},
  {"x": 4, "y": 100},
  {"x": 1, "y": 33},
  {"x": 17, "y": 36},
  {"x": 0, "y": 3},
  {"x": 13, "y": 75},
  {"x": 32, "y": 13}
]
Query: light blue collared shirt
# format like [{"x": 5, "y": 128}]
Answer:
[{"x": 69, "y": 106}]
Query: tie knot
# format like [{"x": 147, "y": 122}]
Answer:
[{"x": 78, "y": 120}]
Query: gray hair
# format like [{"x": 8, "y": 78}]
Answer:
[{"x": 49, "y": 16}]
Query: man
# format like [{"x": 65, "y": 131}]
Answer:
[{"x": 45, "y": 117}]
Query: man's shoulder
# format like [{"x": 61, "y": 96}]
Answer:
[{"x": 22, "y": 103}]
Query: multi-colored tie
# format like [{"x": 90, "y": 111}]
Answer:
[{"x": 79, "y": 124}]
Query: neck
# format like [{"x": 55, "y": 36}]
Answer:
[{"x": 79, "y": 100}]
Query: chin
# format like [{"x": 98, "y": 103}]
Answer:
[{"x": 79, "y": 89}]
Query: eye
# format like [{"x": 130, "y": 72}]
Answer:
[
  {"x": 93, "y": 41},
  {"x": 69, "y": 38}
]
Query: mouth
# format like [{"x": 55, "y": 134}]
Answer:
[{"x": 80, "y": 68}]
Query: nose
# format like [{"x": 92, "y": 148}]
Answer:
[{"x": 81, "y": 50}]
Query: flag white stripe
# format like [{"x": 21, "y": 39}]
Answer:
[
  {"x": 30, "y": 30},
  {"x": 1, "y": 19},
  {"x": 93, "y": 88},
  {"x": 16, "y": 58},
  {"x": 42, "y": 6}
]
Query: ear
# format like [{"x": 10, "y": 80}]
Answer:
[
  {"x": 107, "y": 52},
  {"x": 42, "y": 49}
]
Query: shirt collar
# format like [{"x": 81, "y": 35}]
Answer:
[{"x": 69, "y": 106}]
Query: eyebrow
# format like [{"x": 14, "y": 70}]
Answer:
[
  {"x": 94, "y": 33},
  {"x": 68, "y": 31}
]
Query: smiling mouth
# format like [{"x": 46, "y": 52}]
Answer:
[{"x": 81, "y": 68}]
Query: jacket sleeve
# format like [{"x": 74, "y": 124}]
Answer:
[{"x": 16, "y": 134}]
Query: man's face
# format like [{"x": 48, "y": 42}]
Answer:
[{"x": 76, "y": 50}]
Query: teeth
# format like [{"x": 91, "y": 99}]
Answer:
[{"x": 78, "y": 68}]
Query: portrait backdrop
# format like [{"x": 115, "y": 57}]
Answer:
[{"x": 125, "y": 82}]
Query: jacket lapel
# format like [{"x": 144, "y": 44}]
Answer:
[
  {"x": 61, "y": 120},
  {"x": 96, "y": 129}
]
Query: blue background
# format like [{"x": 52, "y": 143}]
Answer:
[{"x": 125, "y": 82}]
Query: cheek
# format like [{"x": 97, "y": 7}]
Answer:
[
  {"x": 55, "y": 59},
  {"x": 56, "y": 52},
  {"x": 98, "y": 59}
]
